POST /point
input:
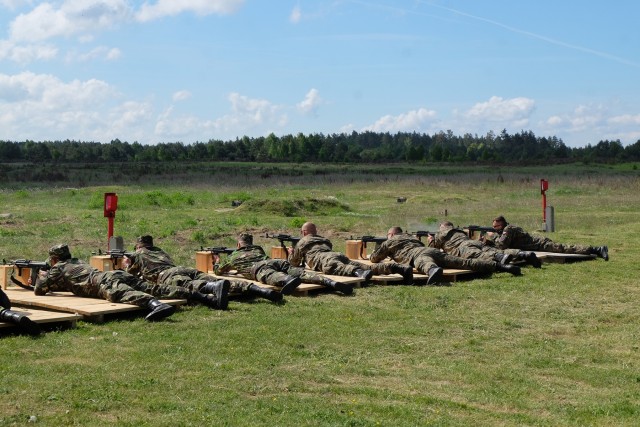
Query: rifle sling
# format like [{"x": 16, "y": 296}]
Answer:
[{"x": 22, "y": 285}]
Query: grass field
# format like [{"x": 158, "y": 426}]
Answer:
[{"x": 557, "y": 346}]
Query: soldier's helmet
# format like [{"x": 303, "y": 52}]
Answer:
[
  {"x": 145, "y": 240},
  {"x": 60, "y": 251}
]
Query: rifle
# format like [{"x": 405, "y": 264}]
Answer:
[
  {"x": 423, "y": 233},
  {"x": 34, "y": 266},
  {"x": 284, "y": 238},
  {"x": 369, "y": 239},
  {"x": 217, "y": 250},
  {"x": 116, "y": 254},
  {"x": 473, "y": 228}
]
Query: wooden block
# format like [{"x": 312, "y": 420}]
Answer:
[
  {"x": 21, "y": 274},
  {"x": 278, "y": 252},
  {"x": 105, "y": 263},
  {"x": 204, "y": 261},
  {"x": 355, "y": 249}
]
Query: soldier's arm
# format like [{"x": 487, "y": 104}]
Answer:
[
  {"x": 225, "y": 266},
  {"x": 46, "y": 281},
  {"x": 380, "y": 253},
  {"x": 296, "y": 256}
]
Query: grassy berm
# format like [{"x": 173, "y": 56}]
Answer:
[{"x": 559, "y": 346}]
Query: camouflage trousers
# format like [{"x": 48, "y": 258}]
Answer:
[
  {"x": 276, "y": 271},
  {"x": 430, "y": 257},
  {"x": 545, "y": 244},
  {"x": 194, "y": 279},
  {"x": 475, "y": 249},
  {"x": 339, "y": 264},
  {"x": 115, "y": 286}
]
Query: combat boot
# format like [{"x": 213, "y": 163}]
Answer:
[
  {"x": 219, "y": 288},
  {"x": 502, "y": 258},
  {"x": 435, "y": 275},
  {"x": 363, "y": 274},
  {"x": 406, "y": 271},
  {"x": 601, "y": 251},
  {"x": 208, "y": 300},
  {"x": 267, "y": 293},
  {"x": 509, "y": 268},
  {"x": 23, "y": 322},
  {"x": 344, "y": 288},
  {"x": 214, "y": 287},
  {"x": 159, "y": 310},
  {"x": 530, "y": 258},
  {"x": 289, "y": 284},
  {"x": 4, "y": 300}
]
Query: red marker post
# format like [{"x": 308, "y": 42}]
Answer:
[{"x": 110, "y": 207}]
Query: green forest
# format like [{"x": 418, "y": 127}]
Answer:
[{"x": 521, "y": 148}]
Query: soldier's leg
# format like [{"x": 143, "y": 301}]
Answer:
[
  {"x": 426, "y": 264},
  {"x": 406, "y": 271},
  {"x": 23, "y": 322},
  {"x": 114, "y": 287}
]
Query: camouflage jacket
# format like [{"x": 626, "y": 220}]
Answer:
[
  {"x": 307, "y": 248},
  {"x": 452, "y": 240},
  {"x": 148, "y": 263},
  {"x": 71, "y": 275},
  {"x": 515, "y": 237},
  {"x": 242, "y": 260},
  {"x": 401, "y": 248}
]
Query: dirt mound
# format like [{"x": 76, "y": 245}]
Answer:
[{"x": 298, "y": 207}]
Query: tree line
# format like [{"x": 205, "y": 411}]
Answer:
[{"x": 355, "y": 147}]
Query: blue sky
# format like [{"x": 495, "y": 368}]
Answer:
[{"x": 195, "y": 70}]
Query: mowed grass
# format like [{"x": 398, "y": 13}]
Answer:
[{"x": 556, "y": 346}]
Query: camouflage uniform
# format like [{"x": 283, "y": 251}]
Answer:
[
  {"x": 252, "y": 263},
  {"x": 318, "y": 253},
  {"x": 458, "y": 243},
  {"x": 515, "y": 237},
  {"x": 156, "y": 266},
  {"x": 407, "y": 249},
  {"x": 81, "y": 279}
]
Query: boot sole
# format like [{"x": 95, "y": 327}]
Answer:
[
  {"x": 223, "y": 297},
  {"x": 160, "y": 313}
]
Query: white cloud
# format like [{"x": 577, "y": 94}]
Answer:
[
  {"x": 626, "y": 119},
  {"x": 26, "y": 53},
  {"x": 415, "y": 120},
  {"x": 100, "y": 52},
  {"x": 498, "y": 109},
  {"x": 162, "y": 8},
  {"x": 42, "y": 107},
  {"x": 14, "y": 4},
  {"x": 72, "y": 17},
  {"x": 310, "y": 103},
  {"x": 248, "y": 116},
  {"x": 181, "y": 95},
  {"x": 296, "y": 15}
]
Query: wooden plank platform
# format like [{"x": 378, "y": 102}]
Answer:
[
  {"x": 448, "y": 275},
  {"x": 43, "y": 317},
  {"x": 304, "y": 288},
  {"x": 558, "y": 258},
  {"x": 93, "y": 309}
]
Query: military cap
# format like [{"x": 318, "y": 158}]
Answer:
[
  {"x": 60, "y": 251},
  {"x": 246, "y": 238},
  {"x": 145, "y": 240}
]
